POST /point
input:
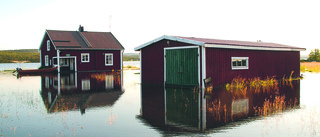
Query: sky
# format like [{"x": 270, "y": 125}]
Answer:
[{"x": 135, "y": 22}]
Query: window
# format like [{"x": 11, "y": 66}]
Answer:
[
  {"x": 109, "y": 59},
  {"x": 240, "y": 63},
  {"x": 48, "y": 45},
  {"x": 46, "y": 60},
  {"x": 64, "y": 62},
  {"x": 85, "y": 57}
]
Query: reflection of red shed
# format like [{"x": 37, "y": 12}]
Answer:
[
  {"x": 188, "y": 60},
  {"x": 81, "y": 50}
]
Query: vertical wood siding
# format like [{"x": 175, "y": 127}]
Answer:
[
  {"x": 153, "y": 61},
  {"x": 96, "y": 59},
  {"x": 261, "y": 64},
  {"x": 52, "y": 53}
]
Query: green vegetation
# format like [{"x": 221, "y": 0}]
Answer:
[
  {"x": 314, "y": 55},
  {"x": 33, "y": 56},
  {"x": 131, "y": 57},
  {"x": 29, "y": 55}
]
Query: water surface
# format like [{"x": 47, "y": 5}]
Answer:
[{"x": 113, "y": 104}]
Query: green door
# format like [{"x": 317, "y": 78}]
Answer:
[{"x": 182, "y": 66}]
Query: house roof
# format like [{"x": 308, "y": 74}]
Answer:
[
  {"x": 216, "y": 43},
  {"x": 76, "y": 40}
]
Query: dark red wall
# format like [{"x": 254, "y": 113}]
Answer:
[
  {"x": 96, "y": 59},
  {"x": 43, "y": 50},
  {"x": 261, "y": 64},
  {"x": 153, "y": 61}
]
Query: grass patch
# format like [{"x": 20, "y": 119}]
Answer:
[
  {"x": 310, "y": 67},
  {"x": 131, "y": 67}
]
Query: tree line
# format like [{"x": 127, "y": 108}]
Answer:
[
  {"x": 314, "y": 56},
  {"x": 29, "y": 55},
  {"x": 33, "y": 56}
]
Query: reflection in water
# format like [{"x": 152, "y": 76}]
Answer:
[
  {"x": 184, "y": 109},
  {"x": 80, "y": 91}
]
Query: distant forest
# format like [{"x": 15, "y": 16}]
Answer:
[
  {"x": 33, "y": 56},
  {"x": 30, "y": 55}
]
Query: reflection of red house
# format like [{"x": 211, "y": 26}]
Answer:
[
  {"x": 81, "y": 50},
  {"x": 80, "y": 90}
]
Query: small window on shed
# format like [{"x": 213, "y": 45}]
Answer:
[
  {"x": 48, "y": 45},
  {"x": 85, "y": 57},
  {"x": 239, "y": 63}
]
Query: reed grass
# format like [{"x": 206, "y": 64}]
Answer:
[
  {"x": 218, "y": 111},
  {"x": 278, "y": 105},
  {"x": 240, "y": 86}
]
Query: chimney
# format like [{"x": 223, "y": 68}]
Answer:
[{"x": 81, "y": 28}]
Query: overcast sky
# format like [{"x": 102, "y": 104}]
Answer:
[{"x": 135, "y": 22}]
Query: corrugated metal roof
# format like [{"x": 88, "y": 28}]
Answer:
[
  {"x": 224, "y": 43},
  {"x": 102, "y": 40},
  {"x": 84, "y": 40},
  {"x": 239, "y": 43}
]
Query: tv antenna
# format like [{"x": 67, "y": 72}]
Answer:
[{"x": 110, "y": 16}]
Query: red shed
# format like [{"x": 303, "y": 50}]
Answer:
[
  {"x": 188, "y": 60},
  {"x": 81, "y": 50}
]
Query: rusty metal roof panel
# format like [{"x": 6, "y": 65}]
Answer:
[
  {"x": 66, "y": 39},
  {"x": 234, "y": 44},
  {"x": 240, "y": 43},
  {"x": 102, "y": 40},
  {"x": 84, "y": 40}
]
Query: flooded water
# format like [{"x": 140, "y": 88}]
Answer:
[
  {"x": 12, "y": 66},
  {"x": 117, "y": 104}
]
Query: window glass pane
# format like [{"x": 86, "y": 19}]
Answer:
[
  {"x": 234, "y": 63},
  {"x": 238, "y": 62},
  {"x": 107, "y": 59},
  {"x": 244, "y": 62}
]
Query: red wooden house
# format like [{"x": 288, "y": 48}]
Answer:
[
  {"x": 81, "y": 50},
  {"x": 188, "y": 60}
]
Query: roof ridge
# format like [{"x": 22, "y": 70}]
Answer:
[{"x": 84, "y": 39}]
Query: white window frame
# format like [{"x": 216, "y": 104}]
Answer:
[
  {"x": 105, "y": 59},
  {"x": 83, "y": 54},
  {"x": 48, "y": 45},
  {"x": 46, "y": 60},
  {"x": 241, "y": 66}
]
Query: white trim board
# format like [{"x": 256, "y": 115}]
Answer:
[
  {"x": 192, "y": 42},
  {"x": 251, "y": 47}
]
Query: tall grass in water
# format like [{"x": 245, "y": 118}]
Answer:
[
  {"x": 218, "y": 111},
  {"x": 271, "y": 107},
  {"x": 276, "y": 106},
  {"x": 240, "y": 86}
]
